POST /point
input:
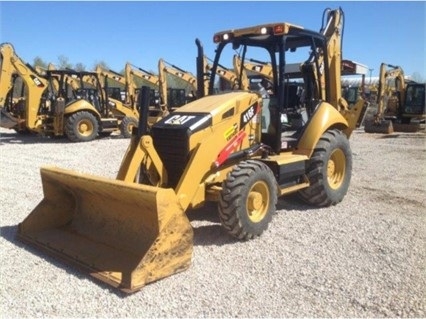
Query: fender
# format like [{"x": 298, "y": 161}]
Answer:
[
  {"x": 81, "y": 105},
  {"x": 325, "y": 117}
]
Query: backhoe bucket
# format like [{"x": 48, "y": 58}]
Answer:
[
  {"x": 7, "y": 120},
  {"x": 384, "y": 126},
  {"x": 124, "y": 234},
  {"x": 407, "y": 128}
]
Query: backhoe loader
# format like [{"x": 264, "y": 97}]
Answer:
[
  {"x": 13, "y": 110},
  {"x": 125, "y": 109},
  {"x": 228, "y": 75},
  {"x": 135, "y": 75},
  {"x": 7, "y": 79},
  {"x": 175, "y": 97},
  {"x": 116, "y": 92},
  {"x": 45, "y": 108},
  {"x": 235, "y": 147},
  {"x": 400, "y": 105}
]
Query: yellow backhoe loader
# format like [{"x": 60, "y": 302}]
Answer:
[
  {"x": 13, "y": 110},
  {"x": 114, "y": 91},
  {"x": 176, "y": 97},
  {"x": 46, "y": 109},
  {"x": 400, "y": 104},
  {"x": 125, "y": 109},
  {"x": 137, "y": 75},
  {"x": 225, "y": 74},
  {"x": 237, "y": 148},
  {"x": 7, "y": 79}
]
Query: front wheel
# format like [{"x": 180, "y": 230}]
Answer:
[
  {"x": 126, "y": 126},
  {"x": 329, "y": 170},
  {"x": 81, "y": 127},
  {"x": 248, "y": 199}
]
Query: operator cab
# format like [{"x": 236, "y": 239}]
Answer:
[{"x": 295, "y": 88}]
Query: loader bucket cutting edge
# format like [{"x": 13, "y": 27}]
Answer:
[{"x": 124, "y": 234}]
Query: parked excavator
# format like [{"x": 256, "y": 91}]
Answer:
[
  {"x": 222, "y": 147},
  {"x": 401, "y": 105}
]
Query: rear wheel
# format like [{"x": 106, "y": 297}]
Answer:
[
  {"x": 81, "y": 127},
  {"x": 329, "y": 170},
  {"x": 247, "y": 200},
  {"x": 126, "y": 126}
]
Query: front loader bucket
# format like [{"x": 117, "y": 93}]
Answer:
[
  {"x": 125, "y": 234},
  {"x": 7, "y": 120},
  {"x": 384, "y": 126}
]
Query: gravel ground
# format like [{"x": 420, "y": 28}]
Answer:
[{"x": 364, "y": 257}]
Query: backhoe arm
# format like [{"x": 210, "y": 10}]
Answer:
[
  {"x": 259, "y": 67},
  {"x": 7, "y": 70},
  {"x": 224, "y": 73}
]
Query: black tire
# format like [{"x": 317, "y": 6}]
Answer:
[
  {"x": 248, "y": 200},
  {"x": 126, "y": 126},
  {"x": 81, "y": 127},
  {"x": 329, "y": 170}
]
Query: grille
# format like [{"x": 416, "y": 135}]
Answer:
[{"x": 173, "y": 148}]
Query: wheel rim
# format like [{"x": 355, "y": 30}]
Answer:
[
  {"x": 85, "y": 128},
  {"x": 130, "y": 127},
  {"x": 336, "y": 168},
  {"x": 258, "y": 201}
]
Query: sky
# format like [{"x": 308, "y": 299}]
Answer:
[{"x": 142, "y": 32}]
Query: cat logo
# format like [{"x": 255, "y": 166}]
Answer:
[
  {"x": 37, "y": 81},
  {"x": 179, "y": 119}
]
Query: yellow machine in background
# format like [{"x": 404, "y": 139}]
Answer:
[
  {"x": 135, "y": 75},
  {"x": 176, "y": 97},
  {"x": 226, "y": 74},
  {"x": 400, "y": 104},
  {"x": 20, "y": 113},
  {"x": 237, "y": 148},
  {"x": 115, "y": 84},
  {"x": 123, "y": 99},
  {"x": 63, "y": 103}
]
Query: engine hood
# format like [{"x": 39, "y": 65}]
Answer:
[{"x": 209, "y": 110}]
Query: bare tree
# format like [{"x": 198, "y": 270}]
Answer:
[
  {"x": 102, "y": 64},
  {"x": 80, "y": 67},
  {"x": 63, "y": 62},
  {"x": 39, "y": 62}
]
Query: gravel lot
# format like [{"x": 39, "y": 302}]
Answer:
[{"x": 365, "y": 257}]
